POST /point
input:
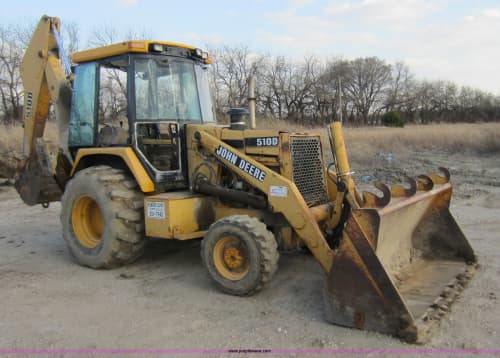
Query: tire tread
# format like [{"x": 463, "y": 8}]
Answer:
[{"x": 128, "y": 227}]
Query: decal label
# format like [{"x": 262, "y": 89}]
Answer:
[
  {"x": 241, "y": 163},
  {"x": 262, "y": 142},
  {"x": 156, "y": 209},
  {"x": 29, "y": 104},
  {"x": 279, "y": 191}
]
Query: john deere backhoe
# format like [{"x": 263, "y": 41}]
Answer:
[{"x": 394, "y": 261}]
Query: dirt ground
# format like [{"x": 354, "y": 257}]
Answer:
[{"x": 166, "y": 299}]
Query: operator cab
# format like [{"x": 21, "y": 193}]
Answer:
[{"x": 141, "y": 98}]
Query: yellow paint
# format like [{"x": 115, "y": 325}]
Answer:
[
  {"x": 221, "y": 211},
  {"x": 242, "y": 135},
  {"x": 130, "y": 158},
  {"x": 87, "y": 221},
  {"x": 263, "y": 150},
  {"x": 341, "y": 156},
  {"x": 286, "y": 235},
  {"x": 182, "y": 215},
  {"x": 197, "y": 163},
  {"x": 191, "y": 235},
  {"x": 123, "y": 48},
  {"x": 40, "y": 68},
  {"x": 231, "y": 259},
  {"x": 285, "y": 156}
]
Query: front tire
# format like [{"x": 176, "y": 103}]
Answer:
[
  {"x": 240, "y": 254},
  {"x": 102, "y": 217}
]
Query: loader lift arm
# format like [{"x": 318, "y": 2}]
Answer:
[
  {"x": 44, "y": 174},
  {"x": 292, "y": 206}
]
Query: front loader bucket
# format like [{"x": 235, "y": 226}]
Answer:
[{"x": 402, "y": 261}]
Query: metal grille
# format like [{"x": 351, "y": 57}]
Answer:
[{"x": 307, "y": 169}]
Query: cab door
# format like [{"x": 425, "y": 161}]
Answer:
[{"x": 83, "y": 115}]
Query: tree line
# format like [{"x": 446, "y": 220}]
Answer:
[
  {"x": 361, "y": 90},
  {"x": 310, "y": 91}
]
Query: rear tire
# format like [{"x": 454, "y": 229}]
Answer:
[
  {"x": 240, "y": 254},
  {"x": 102, "y": 217}
]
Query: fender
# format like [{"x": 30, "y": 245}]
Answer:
[{"x": 128, "y": 155}]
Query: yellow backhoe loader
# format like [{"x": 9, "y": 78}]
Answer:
[{"x": 394, "y": 261}]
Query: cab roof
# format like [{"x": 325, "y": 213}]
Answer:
[{"x": 132, "y": 46}]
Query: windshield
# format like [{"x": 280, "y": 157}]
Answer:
[{"x": 171, "y": 90}]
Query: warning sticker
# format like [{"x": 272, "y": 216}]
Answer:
[
  {"x": 156, "y": 209},
  {"x": 281, "y": 191}
]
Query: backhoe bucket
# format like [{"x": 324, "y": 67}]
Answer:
[
  {"x": 402, "y": 261},
  {"x": 36, "y": 187}
]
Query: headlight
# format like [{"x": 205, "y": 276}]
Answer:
[{"x": 157, "y": 48}]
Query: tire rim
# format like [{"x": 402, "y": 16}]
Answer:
[
  {"x": 87, "y": 221},
  {"x": 231, "y": 258}
]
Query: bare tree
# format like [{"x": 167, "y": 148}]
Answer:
[
  {"x": 303, "y": 91},
  {"x": 401, "y": 87},
  {"x": 10, "y": 79},
  {"x": 71, "y": 34},
  {"x": 326, "y": 91},
  {"x": 232, "y": 69},
  {"x": 366, "y": 83},
  {"x": 274, "y": 91}
]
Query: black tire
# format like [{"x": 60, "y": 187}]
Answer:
[
  {"x": 255, "y": 258},
  {"x": 102, "y": 217}
]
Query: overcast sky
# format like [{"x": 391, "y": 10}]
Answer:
[{"x": 439, "y": 39}]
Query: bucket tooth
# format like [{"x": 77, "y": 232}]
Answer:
[
  {"x": 424, "y": 183},
  {"x": 398, "y": 190},
  {"x": 371, "y": 200},
  {"x": 442, "y": 177}
]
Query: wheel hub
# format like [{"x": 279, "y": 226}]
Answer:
[
  {"x": 231, "y": 258},
  {"x": 87, "y": 221}
]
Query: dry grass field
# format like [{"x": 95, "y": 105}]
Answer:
[
  {"x": 364, "y": 142},
  {"x": 451, "y": 138}
]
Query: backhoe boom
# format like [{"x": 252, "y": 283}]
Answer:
[{"x": 44, "y": 82}]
